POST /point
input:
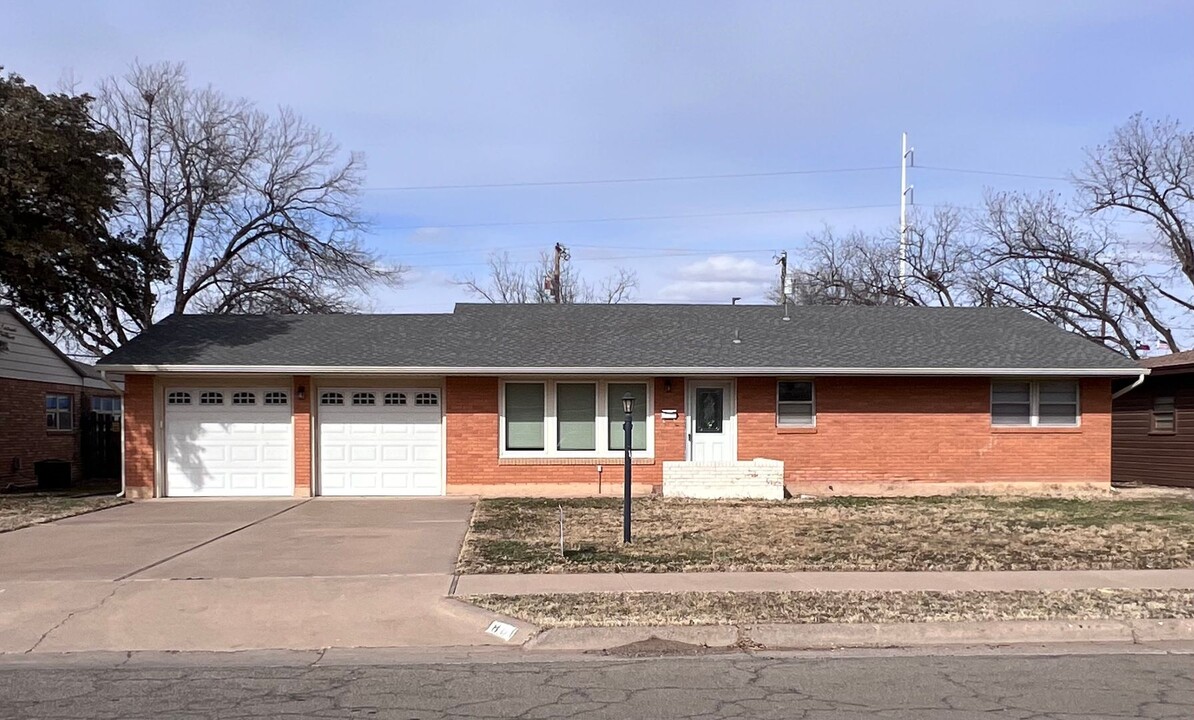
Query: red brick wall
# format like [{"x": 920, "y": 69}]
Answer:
[
  {"x": 302, "y": 435},
  {"x": 922, "y": 430},
  {"x": 24, "y": 438},
  {"x": 872, "y": 430},
  {"x": 138, "y": 436},
  {"x": 472, "y": 417}
]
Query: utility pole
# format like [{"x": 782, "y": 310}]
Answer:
[
  {"x": 782, "y": 261},
  {"x": 906, "y": 159},
  {"x": 555, "y": 283}
]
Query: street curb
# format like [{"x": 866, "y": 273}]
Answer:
[
  {"x": 869, "y": 635},
  {"x": 482, "y": 618},
  {"x": 603, "y": 638}
]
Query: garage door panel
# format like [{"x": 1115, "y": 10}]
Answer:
[
  {"x": 224, "y": 450},
  {"x": 378, "y": 450},
  {"x": 395, "y": 453}
]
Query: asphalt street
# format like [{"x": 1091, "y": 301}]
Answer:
[{"x": 1065, "y": 687}]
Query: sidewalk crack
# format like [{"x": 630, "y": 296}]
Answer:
[{"x": 74, "y": 614}]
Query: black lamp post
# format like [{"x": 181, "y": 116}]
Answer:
[{"x": 628, "y": 408}]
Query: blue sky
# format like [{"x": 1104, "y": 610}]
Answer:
[{"x": 438, "y": 93}]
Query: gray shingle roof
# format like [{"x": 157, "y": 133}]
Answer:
[{"x": 629, "y": 336}]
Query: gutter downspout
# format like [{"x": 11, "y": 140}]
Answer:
[
  {"x": 1119, "y": 393},
  {"x": 104, "y": 376}
]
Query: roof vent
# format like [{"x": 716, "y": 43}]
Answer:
[{"x": 737, "y": 337}]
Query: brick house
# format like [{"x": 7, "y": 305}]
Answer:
[
  {"x": 43, "y": 396},
  {"x": 527, "y": 399}
]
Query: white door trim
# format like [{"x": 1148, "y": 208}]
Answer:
[{"x": 729, "y": 412}]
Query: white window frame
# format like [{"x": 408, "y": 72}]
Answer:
[
  {"x": 59, "y": 414},
  {"x": 813, "y": 402},
  {"x": 114, "y": 409},
  {"x": 1034, "y": 403},
  {"x": 551, "y": 420}
]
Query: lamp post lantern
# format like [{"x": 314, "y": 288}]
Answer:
[{"x": 627, "y": 425}]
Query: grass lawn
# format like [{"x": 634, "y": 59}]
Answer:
[
  {"x": 943, "y": 533},
  {"x": 726, "y": 608},
  {"x": 20, "y": 510}
]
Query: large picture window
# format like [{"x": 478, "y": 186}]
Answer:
[
  {"x": 1034, "y": 403},
  {"x": 571, "y": 418},
  {"x": 524, "y": 416},
  {"x": 617, "y": 436},
  {"x": 576, "y": 416}
]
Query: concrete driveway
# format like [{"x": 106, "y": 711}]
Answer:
[{"x": 239, "y": 574}]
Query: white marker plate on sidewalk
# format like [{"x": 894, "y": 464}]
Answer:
[{"x": 505, "y": 631}]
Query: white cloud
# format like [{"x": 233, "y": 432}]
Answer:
[{"x": 719, "y": 278}]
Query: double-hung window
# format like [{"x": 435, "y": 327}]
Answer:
[
  {"x": 1164, "y": 415},
  {"x": 572, "y": 418},
  {"x": 1034, "y": 403},
  {"x": 794, "y": 404},
  {"x": 59, "y": 412}
]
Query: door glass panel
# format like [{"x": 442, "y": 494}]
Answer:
[{"x": 708, "y": 410}]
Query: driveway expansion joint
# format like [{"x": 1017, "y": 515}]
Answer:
[{"x": 209, "y": 541}]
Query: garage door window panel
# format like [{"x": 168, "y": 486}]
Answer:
[{"x": 211, "y": 397}]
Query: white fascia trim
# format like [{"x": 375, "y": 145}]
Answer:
[{"x": 652, "y": 371}]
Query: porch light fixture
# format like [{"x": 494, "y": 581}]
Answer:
[
  {"x": 301, "y": 392},
  {"x": 627, "y": 425}
]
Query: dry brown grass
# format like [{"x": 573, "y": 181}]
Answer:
[
  {"x": 970, "y": 533},
  {"x": 25, "y": 509},
  {"x": 857, "y": 606}
]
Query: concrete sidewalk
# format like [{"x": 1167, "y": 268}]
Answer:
[{"x": 780, "y": 581}]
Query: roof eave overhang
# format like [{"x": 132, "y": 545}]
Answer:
[{"x": 737, "y": 371}]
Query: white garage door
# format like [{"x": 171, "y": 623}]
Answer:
[
  {"x": 380, "y": 441},
  {"x": 228, "y": 442}
]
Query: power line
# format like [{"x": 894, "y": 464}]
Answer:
[
  {"x": 624, "y": 180},
  {"x": 972, "y": 171},
  {"x": 634, "y": 218},
  {"x": 664, "y": 254}
]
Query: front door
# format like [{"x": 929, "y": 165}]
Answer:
[{"x": 711, "y": 416}]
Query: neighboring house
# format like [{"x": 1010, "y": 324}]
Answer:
[
  {"x": 526, "y": 399},
  {"x": 1153, "y": 425},
  {"x": 44, "y": 398}
]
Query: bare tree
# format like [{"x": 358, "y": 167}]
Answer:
[
  {"x": 862, "y": 269},
  {"x": 1067, "y": 267},
  {"x": 507, "y": 281},
  {"x": 256, "y": 212}
]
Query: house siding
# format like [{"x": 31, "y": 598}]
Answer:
[
  {"x": 1138, "y": 454},
  {"x": 876, "y": 431}
]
